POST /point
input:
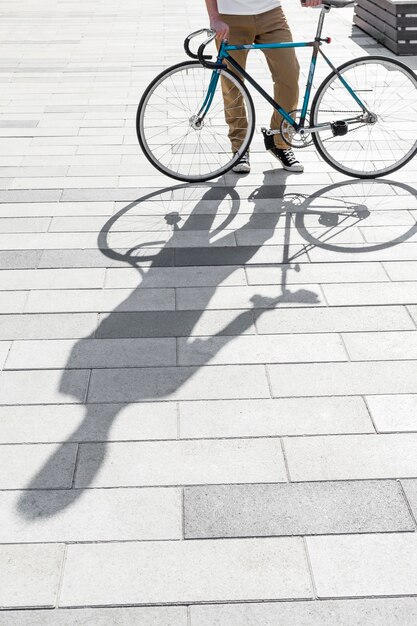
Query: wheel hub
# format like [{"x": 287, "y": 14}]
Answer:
[{"x": 196, "y": 122}]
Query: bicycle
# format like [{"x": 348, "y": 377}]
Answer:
[{"x": 363, "y": 118}]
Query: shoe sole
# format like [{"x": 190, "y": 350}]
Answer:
[{"x": 244, "y": 169}]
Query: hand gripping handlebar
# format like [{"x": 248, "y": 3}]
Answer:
[{"x": 203, "y": 58}]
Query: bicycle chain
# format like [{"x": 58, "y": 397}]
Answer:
[{"x": 349, "y": 131}]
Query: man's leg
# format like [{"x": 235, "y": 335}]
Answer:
[
  {"x": 242, "y": 31},
  {"x": 272, "y": 27}
]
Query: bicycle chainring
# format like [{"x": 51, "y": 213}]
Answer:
[{"x": 293, "y": 139}]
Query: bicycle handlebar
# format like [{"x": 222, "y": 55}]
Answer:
[{"x": 196, "y": 34}]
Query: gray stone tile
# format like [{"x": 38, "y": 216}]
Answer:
[
  {"x": 13, "y": 301},
  {"x": 410, "y": 489},
  {"x": 4, "y": 350},
  {"x": 402, "y": 270},
  {"x": 364, "y": 565},
  {"x": 372, "y": 612},
  {"x": 37, "y": 466},
  {"x": 126, "y": 616},
  {"x": 96, "y": 300},
  {"x": 24, "y": 225},
  {"x": 180, "y": 463},
  {"x": 393, "y": 413},
  {"x": 261, "y": 349},
  {"x": 385, "y": 346},
  {"x": 19, "y": 259},
  {"x": 30, "y": 195},
  {"x": 181, "y": 383},
  {"x": 338, "y": 379},
  {"x": 96, "y": 258},
  {"x": 281, "y": 416},
  {"x": 247, "y": 297},
  {"x": 47, "y": 326},
  {"x": 351, "y": 457},
  {"x": 97, "y": 422},
  {"x": 30, "y": 575},
  {"x": 88, "y": 353},
  {"x": 334, "y": 319},
  {"x": 43, "y": 387},
  {"x": 71, "y": 515},
  {"x": 296, "y": 509},
  {"x": 371, "y": 293},
  {"x": 318, "y": 273},
  {"x": 51, "y": 279},
  {"x": 176, "y": 277},
  {"x": 176, "y": 324},
  {"x": 192, "y": 571},
  {"x": 413, "y": 313}
]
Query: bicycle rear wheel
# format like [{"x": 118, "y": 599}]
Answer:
[
  {"x": 370, "y": 149},
  {"x": 169, "y": 135}
]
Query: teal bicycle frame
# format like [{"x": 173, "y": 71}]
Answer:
[{"x": 223, "y": 54}]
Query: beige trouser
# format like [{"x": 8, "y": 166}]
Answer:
[{"x": 269, "y": 27}]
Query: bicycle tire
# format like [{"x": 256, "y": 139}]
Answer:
[
  {"x": 234, "y": 157},
  {"x": 319, "y": 144}
]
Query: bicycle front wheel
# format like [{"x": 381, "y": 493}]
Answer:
[
  {"x": 388, "y": 140},
  {"x": 171, "y": 134}
]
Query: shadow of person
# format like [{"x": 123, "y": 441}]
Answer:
[{"x": 104, "y": 403}]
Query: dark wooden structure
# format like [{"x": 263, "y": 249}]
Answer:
[{"x": 391, "y": 22}]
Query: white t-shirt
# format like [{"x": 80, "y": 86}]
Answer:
[{"x": 246, "y": 7}]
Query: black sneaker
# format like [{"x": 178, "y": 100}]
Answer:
[
  {"x": 286, "y": 156},
  {"x": 243, "y": 165}
]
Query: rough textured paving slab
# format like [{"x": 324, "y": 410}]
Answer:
[
  {"x": 95, "y": 422},
  {"x": 29, "y": 575},
  {"x": 364, "y": 565},
  {"x": 182, "y": 383},
  {"x": 410, "y": 489},
  {"x": 334, "y": 319},
  {"x": 338, "y": 379},
  {"x": 351, "y": 457},
  {"x": 307, "y": 509},
  {"x": 129, "y": 616},
  {"x": 155, "y": 572},
  {"x": 180, "y": 462},
  {"x": 264, "y": 349},
  {"x": 43, "y": 387},
  {"x": 19, "y": 259},
  {"x": 280, "y": 416},
  {"x": 52, "y": 279},
  {"x": 37, "y": 466},
  {"x": 393, "y": 413},
  {"x": 380, "y": 612},
  {"x": 47, "y": 326},
  {"x": 91, "y": 515},
  {"x": 87, "y": 353},
  {"x": 176, "y": 277},
  {"x": 381, "y": 346}
]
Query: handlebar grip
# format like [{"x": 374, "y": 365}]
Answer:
[{"x": 187, "y": 48}]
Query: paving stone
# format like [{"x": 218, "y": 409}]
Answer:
[
  {"x": 175, "y": 324},
  {"x": 401, "y": 270},
  {"x": 96, "y": 422},
  {"x": 260, "y": 349},
  {"x": 19, "y": 259},
  {"x": 180, "y": 462},
  {"x": 334, "y": 319},
  {"x": 87, "y": 353},
  {"x": 338, "y": 379},
  {"x": 155, "y": 572},
  {"x": 244, "y": 297},
  {"x": 372, "y": 612},
  {"x": 24, "y": 225},
  {"x": 176, "y": 277},
  {"x": 364, "y": 565},
  {"x": 127, "y": 616},
  {"x": 43, "y": 387},
  {"x": 98, "y": 258},
  {"x": 413, "y": 313},
  {"x": 393, "y": 413},
  {"x": 263, "y": 418},
  {"x": 181, "y": 383},
  {"x": 72, "y": 515},
  {"x": 13, "y": 301},
  {"x": 318, "y": 273},
  {"x": 295, "y": 509},
  {"x": 4, "y": 351},
  {"x": 371, "y": 293},
  {"x": 51, "y": 279},
  {"x": 385, "y": 346},
  {"x": 96, "y": 300},
  {"x": 410, "y": 490},
  {"x": 30, "y": 575},
  {"x": 40, "y": 466},
  {"x": 47, "y": 326},
  {"x": 351, "y": 457}
]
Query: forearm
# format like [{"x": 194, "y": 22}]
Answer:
[{"x": 212, "y": 9}]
